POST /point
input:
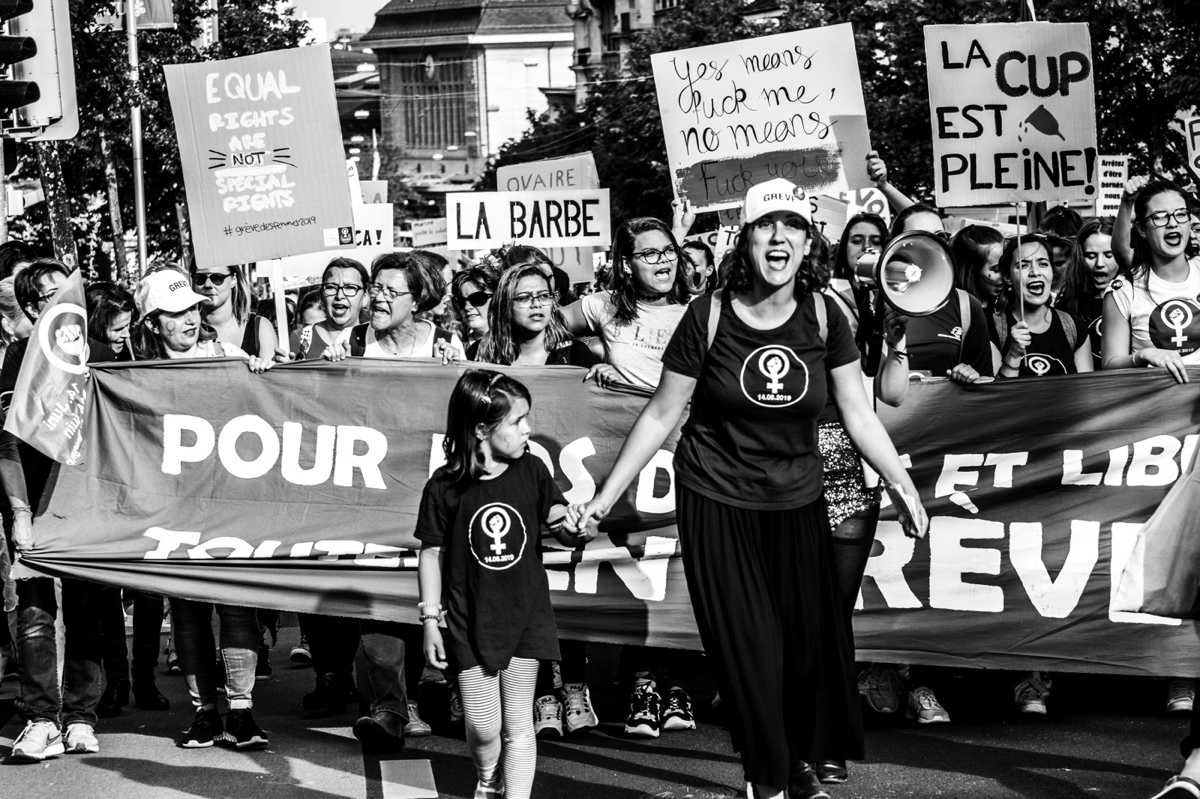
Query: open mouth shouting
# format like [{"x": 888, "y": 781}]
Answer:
[
  {"x": 1036, "y": 288},
  {"x": 1173, "y": 238}
]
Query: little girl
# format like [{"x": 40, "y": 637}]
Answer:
[{"x": 479, "y": 525}]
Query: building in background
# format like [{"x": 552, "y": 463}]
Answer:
[
  {"x": 356, "y": 85},
  {"x": 458, "y": 78}
]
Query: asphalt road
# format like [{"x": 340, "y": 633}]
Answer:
[{"x": 1104, "y": 737}]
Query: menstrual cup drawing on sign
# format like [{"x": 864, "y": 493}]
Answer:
[{"x": 1042, "y": 121}]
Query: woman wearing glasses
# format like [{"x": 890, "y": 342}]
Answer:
[
  {"x": 1151, "y": 316},
  {"x": 636, "y": 317},
  {"x": 402, "y": 286},
  {"x": 471, "y": 291},
  {"x": 226, "y": 310},
  {"x": 525, "y": 324},
  {"x": 343, "y": 291}
]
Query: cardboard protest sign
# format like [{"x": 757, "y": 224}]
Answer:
[
  {"x": 428, "y": 232},
  {"x": 262, "y": 156},
  {"x": 1012, "y": 112},
  {"x": 1191, "y": 135},
  {"x": 567, "y": 172},
  {"x": 560, "y": 218},
  {"x": 1114, "y": 174},
  {"x": 49, "y": 399},
  {"x": 374, "y": 235},
  {"x": 870, "y": 201},
  {"x": 745, "y": 112},
  {"x": 720, "y": 241},
  {"x": 150, "y": 15},
  {"x": 373, "y": 191},
  {"x": 830, "y": 215}
]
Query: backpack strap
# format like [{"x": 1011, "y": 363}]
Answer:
[
  {"x": 822, "y": 315},
  {"x": 1000, "y": 320},
  {"x": 714, "y": 317},
  {"x": 306, "y": 335},
  {"x": 358, "y": 340},
  {"x": 1069, "y": 327},
  {"x": 964, "y": 320}
]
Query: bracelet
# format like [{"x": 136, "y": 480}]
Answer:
[
  {"x": 436, "y": 619},
  {"x": 423, "y": 605},
  {"x": 1134, "y": 357},
  {"x": 25, "y": 509}
]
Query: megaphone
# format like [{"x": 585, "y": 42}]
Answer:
[{"x": 914, "y": 273}]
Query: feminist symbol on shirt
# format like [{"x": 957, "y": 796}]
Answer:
[
  {"x": 497, "y": 536},
  {"x": 1177, "y": 316},
  {"x": 1175, "y": 325},
  {"x": 1038, "y": 364},
  {"x": 774, "y": 377},
  {"x": 773, "y": 363}
]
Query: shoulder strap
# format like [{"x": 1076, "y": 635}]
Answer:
[
  {"x": 714, "y": 317},
  {"x": 822, "y": 316},
  {"x": 1000, "y": 319},
  {"x": 1068, "y": 323},
  {"x": 306, "y": 335},
  {"x": 964, "y": 319},
  {"x": 358, "y": 340}
]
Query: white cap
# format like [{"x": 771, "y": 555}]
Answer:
[
  {"x": 165, "y": 290},
  {"x": 775, "y": 195}
]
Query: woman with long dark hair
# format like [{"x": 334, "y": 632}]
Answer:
[
  {"x": 976, "y": 251},
  {"x": 525, "y": 324},
  {"x": 756, "y": 361}
]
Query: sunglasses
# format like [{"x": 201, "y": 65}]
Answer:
[
  {"x": 216, "y": 278},
  {"x": 476, "y": 299}
]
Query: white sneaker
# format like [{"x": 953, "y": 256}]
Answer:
[
  {"x": 416, "y": 726},
  {"x": 580, "y": 715},
  {"x": 1181, "y": 695},
  {"x": 924, "y": 708},
  {"x": 547, "y": 716},
  {"x": 80, "y": 739},
  {"x": 38, "y": 741},
  {"x": 1032, "y": 692}
]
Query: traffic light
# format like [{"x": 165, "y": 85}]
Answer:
[{"x": 37, "y": 100}]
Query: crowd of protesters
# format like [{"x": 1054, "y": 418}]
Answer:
[{"x": 1074, "y": 295}]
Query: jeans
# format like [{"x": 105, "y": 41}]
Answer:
[
  {"x": 333, "y": 641},
  {"x": 147, "y": 634},
  {"x": 193, "y": 637},
  {"x": 388, "y": 673},
  {"x": 37, "y": 649}
]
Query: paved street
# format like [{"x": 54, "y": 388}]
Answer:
[{"x": 1106, "y": 737}]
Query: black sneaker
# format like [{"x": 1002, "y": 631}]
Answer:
[
  {"x": 205, "y": 729},
  {"x": 262, "y": 669},
  {"x": 644, "y": 709},
  {"x": 678, "y": 713},
  {"x": 242, "y": 732}
]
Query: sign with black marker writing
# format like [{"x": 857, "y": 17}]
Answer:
[
  {"x": 1191, "y": 135},
  {"x": 742, "y": 113},
  {"x": 484, "y": 220},
  {"x": 1114, "y": 173},
  {"x": 261, "y": 150},
  {"x": 1012, "y": 112}
]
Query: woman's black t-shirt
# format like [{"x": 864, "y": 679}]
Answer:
[
  {"x": 751, "y": 438},
  {"x": 494, "y": 587},
  {"x": 1049, "y": 352},
  {"x": 937, "y": 343}
]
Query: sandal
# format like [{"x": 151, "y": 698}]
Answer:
[{"x": 1179, "y": 787}]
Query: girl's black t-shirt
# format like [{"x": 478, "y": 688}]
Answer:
[
  {"x": 1049, "y": 352},
  {"x": 494, "y": 587},
  {"x": 751, "y": 438},
  {"x": 937, "y": 343}
]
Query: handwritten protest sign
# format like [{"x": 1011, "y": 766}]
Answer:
[
  {"x": 262, "y": 156},
  {"x": 1012, "y": 112},
  {"x": 1114, "y": 173},
  {"x": 870, "y": 201},
  {"x": 720, "y": 241},
  {"x": 742, "y": 113},
  {"x": 1191, "y": 134},
  {"x": 560, "y": 218},
  {"x": 428, "y": 232},
  {"x": 374, "y": 235},
  {"x": 568, "y": 172}
]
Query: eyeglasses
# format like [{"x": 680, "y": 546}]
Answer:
[
  {"x": 527, "y": 300},
  {"x": 391, "y": 294},
  {"x": 216, "y": 278},
  {"x": 45, "y": 298},
  {"x": 653, "y": 257},
  {"x": 476, "y": 299},
  {"x": 1163, "y": 218},
  {"x": 347, "y": 290},
  {"x": 944, "y": 235}
]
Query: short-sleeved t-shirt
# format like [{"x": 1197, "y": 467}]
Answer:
[
  {"x": 422, "y": 349},
  {"x": 1050, "y": 352},
  {"x": 935, "y": 342},
  {"x": 1162, "y": 315},
  {"x": 634, "y": 349},
  {"x": 494, "y": 587},
  {"x": 751, "y": 438}
]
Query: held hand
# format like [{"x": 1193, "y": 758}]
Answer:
[
  {"x": 22, "y": 533},
  {"x": 895, "y": 327},
  {"x": 435, "y": 647},
  {"x": 682, "y": 218},
  {"x": 1021, "y": 337},
  {"x": 585, "y": 519},
  {"x": 70, "y": 340},
  {"x": 964, "y": 374},
  {"x": 259, "y": 365},
  {"x": 603, "y": 374},
  {"x": 876, "y": 169},
  {"x": 1133, "y": 186},
  {"x": 1171, "y": 360},
  {"x": 337, "y": 351},
  {"x": 588, "y": 530}
]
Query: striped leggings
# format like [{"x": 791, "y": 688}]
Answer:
[{"x": 501, "y": 702}]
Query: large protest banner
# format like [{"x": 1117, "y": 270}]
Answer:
[
  {"x": 298, "y": 490},
  {"x": 745, "y": 112},
  {"x": 1012, "y": 112},
  {"x": 262, "y": 157},
  {"x": 562, "y": 218}
]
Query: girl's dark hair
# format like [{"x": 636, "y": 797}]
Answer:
[
  {"x": 621, "y": 284},
  {"x": 841, "y": 263},
  {"x": 27, "y": 284},
  {"x": 907, "y": 214},
  {"x": 422, "y": 273},
  {"x": 310, "y": 298},
  {"x": 105, "y": 302},
  {"x": 522, "y": 254},
  {"x": 1006, "y": 299},
  {"x": 1076, "y": 293},
  {"x": 241, "y": 296},
  {"x": 499, "y": 344},
  {"x": 1141, "y": 247},
  {"x": 813, "y": 275},
  {"x": 347, "y": 263},
  {"x": 480, "y": 398},
  {"x": 971, "y": 247},
  {"x": 1061, "y": 221}
]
